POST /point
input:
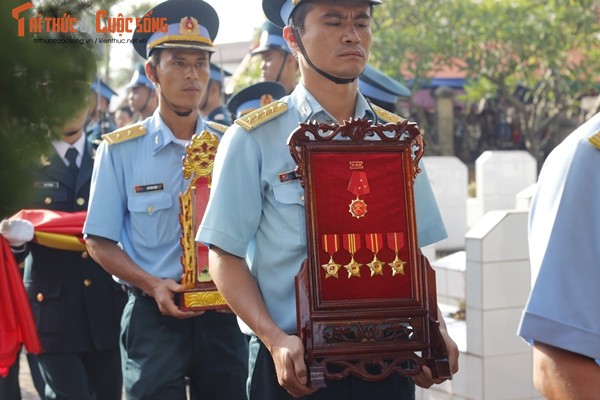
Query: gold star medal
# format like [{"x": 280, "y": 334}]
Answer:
[
  {"x": 352, "y": 245},
  {"x": 331, "y": 246},
  {"x": 396, "y": 243},
  {"x": 374, "y": 243},
  {"x": 397, "y": 266}
]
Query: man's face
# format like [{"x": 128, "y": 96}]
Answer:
[
  {"x": 337, "y": 37},
  {"x": 182, "y": 76},
  {"x": 137, "y": 97},
  {"x": 271, "y": 64}
]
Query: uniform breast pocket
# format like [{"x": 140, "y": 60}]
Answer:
[
  {"x": 289, "y": 206},
  {"x": 49, "y": 198},
  {"x": 46, "y": 305},
  {"x": 151, "y": 222}
]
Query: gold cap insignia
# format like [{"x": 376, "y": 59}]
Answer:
[
  {"x": 265, "y": 99},
  {"x": 189, "y": 26}
]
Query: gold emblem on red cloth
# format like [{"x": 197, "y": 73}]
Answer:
[
  {"x": 359, "y": 186},
  {"x": 396, "y": 243},
  {"x": 331, "y": 246},
  {"x": 374, "y": 243},
  {"x": 189, "y": 26},
  {"x": 352, "y": 245},
  {"x": 397, "y": 266}
]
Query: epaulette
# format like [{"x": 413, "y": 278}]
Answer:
[
  {"x": 385, "y": 115},
  {"x": 124, "y": 134},
  {"x": 261, "y": 115},
  {"x": 595, "y": 140},
  {"x": 216, "y": 126}
]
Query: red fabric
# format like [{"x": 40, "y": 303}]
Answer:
[
  {"x": 16, "y": 319},
  {"x": 386, "y": 213},
  {"x": 201, "y": 198},
  {"x": 69, "y": 223}
]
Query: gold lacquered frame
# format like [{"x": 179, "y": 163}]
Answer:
[{"x": 201, "y": 292}]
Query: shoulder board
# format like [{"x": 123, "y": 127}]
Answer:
[
  {"x": 595, "y": 140},
  {"x": 261, "y": 115},
  {"x": 124, "y": 134},
  {"x": 216, "y": 126},
  {"x": 385, "y": 115}
]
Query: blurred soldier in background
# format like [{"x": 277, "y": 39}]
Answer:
[
  {"x": 213, "y": 106},
  {"x": 99, "y": 120},
  {"x": 141, "y": 96},
  {"x": 278, "y": 62},
  {"x": 254, "y": 96}
]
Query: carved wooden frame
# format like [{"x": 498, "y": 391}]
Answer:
[
  {"x": 370, "y": 338},
  {"x": 201, "y": 292}
]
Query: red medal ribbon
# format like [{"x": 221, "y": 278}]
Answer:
[
  {"x": 374, "y": 242},
  {"x": 396, "y": 241},
  {"x": 331, "y": 244},
  {"x": 358, "y": 185},
  {"x": 352, "y": 242}
]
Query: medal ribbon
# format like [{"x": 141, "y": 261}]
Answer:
[
  {"x": 374, "y": 242},
  {"x": 358, "y": 185},
  {"x": 396, "y": 239},
  {"x": 331, "y": 244},
  {"x": 352, "y": 243}
]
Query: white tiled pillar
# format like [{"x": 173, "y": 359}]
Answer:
[{"x": 500, "y": 175}]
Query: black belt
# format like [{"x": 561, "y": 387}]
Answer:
[{"x": 137, "y": 291}]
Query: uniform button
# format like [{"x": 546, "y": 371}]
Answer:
[
  {"x": 39, "y": 297},
  {"x": 48, "y": 200},
  {"x": 84, "y": 254},
  {"x": 87, "y": 282},
  {"x": 80, "y": 201},
  {"x": 150, "y": 209}
]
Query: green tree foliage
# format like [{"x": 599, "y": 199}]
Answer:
[
  {"x": 41, "y": 86},
  {"x": 548, "y": 48}
]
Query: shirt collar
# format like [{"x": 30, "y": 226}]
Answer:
[
  {"x": 61, "y": 147},
  {"x": 310, "y": 109},
  {"x": 162, "y": 134}
]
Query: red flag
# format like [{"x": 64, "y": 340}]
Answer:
[
  {"x": 16, "y": 319},
  {"x": 56, "y": 229}
]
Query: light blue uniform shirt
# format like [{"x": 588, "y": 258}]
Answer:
[
  {"x": 253, "y": 215},
  {"x": 134, "y": 197},
  {"x": 564, "y": 246}
]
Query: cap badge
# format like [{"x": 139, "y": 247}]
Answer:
[
  {"x": 189, "y": 26},
  {"x": 265, "y": 99}
]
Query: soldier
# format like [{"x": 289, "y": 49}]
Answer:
[
  {"x": 99, "y": 120},
  {"x": 560, "y": 319},
  {"x": 254, "y": 217},
  {"x": 141, "y": 94},
  {"x": 380, "y": 89},
  {"x": 278, "y": 62},
  {"x": 133, "y": 229},
  {"x": 213, "y": 106},
  {"x": 76, "y": 304},
  {"x": 254, "y": 96}
]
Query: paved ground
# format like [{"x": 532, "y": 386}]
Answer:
[{"x": 28, "y": 391}]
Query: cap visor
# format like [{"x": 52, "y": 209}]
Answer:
[{"x": 186, "y": 45}]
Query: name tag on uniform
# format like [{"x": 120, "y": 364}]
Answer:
[
  {"x": 149, "y": 188},
  {"x": 45, "y": 185},
  {"x": 287, "y": 176}
]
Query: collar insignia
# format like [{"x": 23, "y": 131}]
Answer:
[{"x": 44, "y": 161}]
